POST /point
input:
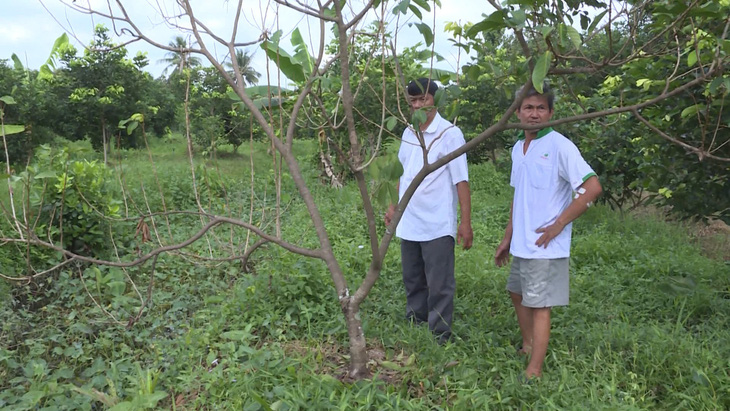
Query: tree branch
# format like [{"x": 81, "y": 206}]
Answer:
[{"x": 215, "y": 222}]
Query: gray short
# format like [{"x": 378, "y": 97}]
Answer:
[{"x": 540, "y": 282}]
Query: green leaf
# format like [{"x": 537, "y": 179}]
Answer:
[
  {"x": 690, "y": 111},
  {"x": 715, "y": 84},
  {"x": 419, "y": 117},
  {"x": 45, "y": 174},
  {"x": 391, "y": 122},
  {"x": 416, "y": 11},
  {"x": 374, "y": 170},
  {"x": 402, "y": 7},
  {"x": 117, "y": 288},
  {"x": 426, "y": 32},
  {"x": 391, "y": 365},
  {"x": 423, "y": 4},
  {"x": 291, "y": 69},
  {"x": 16, "y": 62},
  {"x": 60, "y": 42},
  {"x": 692, "y": 58},
  {"x": 584, "y": 21},
  {"x": 7, "y": 99},
  {"x": 45, "y": 72},
  {"x": 236, "y": 335},
  {"x": 574, "y": 36},
  {"x": 3, "y": 176},
  {"x": 495, "y": 21},
  {"x": 396, "y": 170},
  {"x": 542, "y": 65},
  {"x": 131, "y": 127},
  {"x": 302, "y": 55},
  {"x": 518, "y": 19},
  {"x": 439, "y": 97},
  {"x": 595, "y": 22},
  {"x": 644, "y": 82},
  {"x": 546, "y": 30},
  {"x": 265, "y": 405},
  {"x": 392, "y": 194},
  {"x": 9, "y": 129}
]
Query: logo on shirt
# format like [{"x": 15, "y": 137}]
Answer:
[{"x": 545, "y": 156}]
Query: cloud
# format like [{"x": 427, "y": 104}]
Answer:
[
  {"x": 28, "y": 29},
  {"x": 15, "y": 32}
]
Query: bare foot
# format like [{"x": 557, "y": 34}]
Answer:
[
  {"x": 524, "y": 350},
  {"x": 531, "y": 374}
]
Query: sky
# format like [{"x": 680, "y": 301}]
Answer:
[{"x": 28, "y": 28}]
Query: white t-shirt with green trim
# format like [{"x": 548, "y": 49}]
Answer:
[
  {"x": 431, "y": 213},
  {"x": 544, "y": 179}
]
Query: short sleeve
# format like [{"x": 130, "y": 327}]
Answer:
[
  {"x": 457, "y": 167},
  {"x": 571, "y": 165},
  {"x": 513, "y": 172}
]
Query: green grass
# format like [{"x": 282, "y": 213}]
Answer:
[{"x": 647, "y": 327}]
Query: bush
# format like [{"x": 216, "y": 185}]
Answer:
[{"x": 73, "y": 199}]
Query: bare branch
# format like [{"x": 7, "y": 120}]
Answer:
[
  {"x": 56, "y": 268},
  {"x": 213, "y": 223}
]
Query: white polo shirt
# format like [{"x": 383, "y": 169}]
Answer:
[
  {"x": 431, "y": 213},
  {"x": 544, "y": 179}
]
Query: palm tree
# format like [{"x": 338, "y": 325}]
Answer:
[
  {"x": 178, "y": 60},
  {"x": 243, "y": 59}
]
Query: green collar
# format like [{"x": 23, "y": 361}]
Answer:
[{"x": 541, "y": 133}]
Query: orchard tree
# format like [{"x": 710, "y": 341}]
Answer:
[
  {"x": 34, "y": 104},
  {"x": 682, "y": 58},
  {"x": 100, "y": 88}
]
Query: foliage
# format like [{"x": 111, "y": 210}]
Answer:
[
  {"x": 639, "y": 156},
  {"x": 75, "y": 198},
  {"x": 248, "y": 73},
  {"x": 215, "y": 118},
  {"x": 181, "y": 58},
  {"x": 103, "y": 87},
  {"x": 32, "y": 102},
  {"x": 216, "y": 337}
]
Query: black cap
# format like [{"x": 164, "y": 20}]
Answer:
[{"x": 421, "y": 86}]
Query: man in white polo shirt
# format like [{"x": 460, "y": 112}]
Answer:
[
  {"x": 553, "y": 186},
  {"x": 428, "y": 227}
]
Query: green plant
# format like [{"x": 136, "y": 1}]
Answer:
[{"x": 73, "y": 200}]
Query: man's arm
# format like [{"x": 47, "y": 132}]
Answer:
[
  {"x": 579, "y": 206},
  {"x": 464, "y": 234},
  {"x": 501, "y": 256}
]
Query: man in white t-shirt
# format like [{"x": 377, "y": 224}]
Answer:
[
  {"x": 428, "y": 228},
  {"x": 553, "y": 186}
]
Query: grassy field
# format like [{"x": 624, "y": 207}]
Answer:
[{"x": 647, "y": 327}]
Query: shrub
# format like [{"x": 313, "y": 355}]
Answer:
[{"x": 73, "y": 199}]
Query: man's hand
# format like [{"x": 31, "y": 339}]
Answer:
[
  {"x": 548, "y": 233},
  {"x": 464, "y": 235},
  {"x": 389, "y": 214},
  {"x": 501, "y": 256}
]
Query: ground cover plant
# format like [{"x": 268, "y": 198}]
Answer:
[
  {"x": 645, "y": 328},
  {"x": 175, "y": 254}
]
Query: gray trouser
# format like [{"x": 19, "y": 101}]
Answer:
[{"x": 428, "y": 276}]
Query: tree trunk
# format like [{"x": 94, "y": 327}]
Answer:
[{"x": 358, "y": 347}]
